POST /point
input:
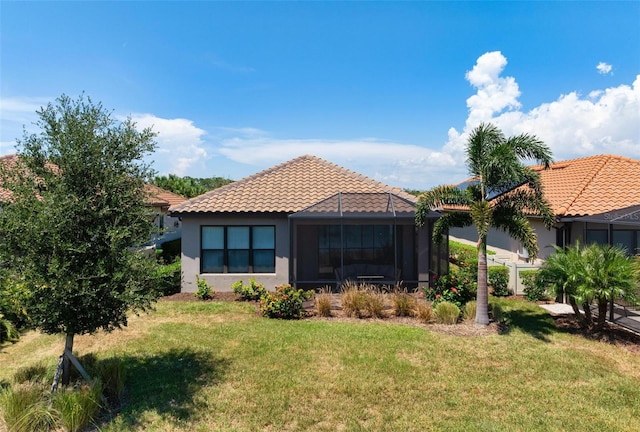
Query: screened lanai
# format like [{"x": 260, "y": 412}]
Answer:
[{"x": 363, "y": 237}]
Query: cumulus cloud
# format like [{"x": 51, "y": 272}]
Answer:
[
  {"x": 180, "y": 143},
  {"x": 573, "y": 125},
  {"x": 604, "y": 68}
]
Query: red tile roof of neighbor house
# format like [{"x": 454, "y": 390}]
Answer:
[
  {"x": 162, "y": 198},
  {"x": 288, "y": 187},
  {"x": 589, "y": 185}
]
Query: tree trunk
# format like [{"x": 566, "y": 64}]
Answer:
[
  {"x": 579, "y": 315},
  {"x": 482, "y": 299},
  {"x": 602, "y": 313},
  {"x": 66, "y": 364}
]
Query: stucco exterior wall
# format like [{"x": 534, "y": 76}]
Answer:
[
  {"x": 507, "y": 247},
  {"x": 191, "y": 228}
]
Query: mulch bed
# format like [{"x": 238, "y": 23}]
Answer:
[{"x": 611, "y": 333}]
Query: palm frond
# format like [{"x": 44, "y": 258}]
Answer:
[
  {"x": 482, "y": 140},
  {"x": 437, "y": 198},
  {"x": 447, "y": 221},
  {"x": 519, "y": 228},
  {"x": 527, "y": 146}
]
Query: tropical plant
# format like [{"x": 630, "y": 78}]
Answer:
[
  {"x": 501, "y": 194},
  {"x": 455, "y": 287},
  {"x": 595, "y": 274}
]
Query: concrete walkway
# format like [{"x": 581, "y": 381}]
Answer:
[{"x": 627, "y": 318}]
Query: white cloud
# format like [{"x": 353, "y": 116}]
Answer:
[
  {"x": 604, "y": 68},
  {"x": 180, "y": 143},
  {"x": 606, "y": 121},
  {"x": 396, "y": 163},
  {"x": 16, "y": 113}
]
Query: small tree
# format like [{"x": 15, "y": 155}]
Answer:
[{"x": 76, "y": 216}]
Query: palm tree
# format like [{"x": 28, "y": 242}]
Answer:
[
  {"x": 501, "y": 195},
  {"x": 594, "y": 274}
]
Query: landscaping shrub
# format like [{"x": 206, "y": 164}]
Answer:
[
  {"x": 205, "y": 291},
  {"x": 534, "y": 288},
  {"x": 170, "y": 250},
  {"x": 252, "y": 292},
  {"x": 285, "y": 302},
  {"x": 469, "y": 311},
  {"x": 323, "y": 303},
  {"x": 453, "y": 287},
  {"x": 498, "y": 278},
  {"x": 404, "y": 304},
  {"x": 78, "y": 407},
  {"x": 424, "y": 312},
  {"x": 169, "y": 278},
  {"x": 447, "y": 313}
]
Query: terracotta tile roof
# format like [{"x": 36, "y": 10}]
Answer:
[
  {"x": 288, "y": 187},
  {"x": 7, "y": 162},
  {"x": 591, "y": 185},
  {"x": 162, "y": 198}
]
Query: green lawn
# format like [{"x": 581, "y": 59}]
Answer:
[{"x": 218, "y": 366}]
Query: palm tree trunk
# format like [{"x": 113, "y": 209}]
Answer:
[
  {"x": 602, "y": 312},
  {"x": 66, "y": 363},
  {"x": 482, "y": 300}
]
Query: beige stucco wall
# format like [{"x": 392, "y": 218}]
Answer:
[
  {"x": 505, "y": 246},
  {"x": 222, "y": 282}
]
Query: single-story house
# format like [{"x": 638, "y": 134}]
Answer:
[
  {"x": 595, "y": 199},
  {"x": 307, "y": 222}
]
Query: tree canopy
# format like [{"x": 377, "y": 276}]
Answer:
[
  {"x": 189, "y": 187},
  {"x": 76, "y": 218},
  {"x": 501, "y": 194}
]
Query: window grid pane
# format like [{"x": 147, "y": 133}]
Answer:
[{"x": 237, "y": 249}]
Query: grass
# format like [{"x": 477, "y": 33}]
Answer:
[{"x": 221, "y": 367}]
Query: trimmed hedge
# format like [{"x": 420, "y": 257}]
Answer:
[{"x": 498, "y": 278}]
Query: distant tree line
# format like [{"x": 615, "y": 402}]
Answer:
[{"x": 190, "y": 187}]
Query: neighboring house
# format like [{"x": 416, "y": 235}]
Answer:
[
  {"x": 169, "y": 227},
  {"x": 595, "y": 199},
  {"x": 307, "y": 222}
]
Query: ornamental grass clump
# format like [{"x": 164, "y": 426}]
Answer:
[
  {"x": 469, "y": 311},
  {"x": 362, "y": 301},
  {"x": 78, "y": 406},
  {"x": 285, "y": 303},
  {"x": 322, "y": 303},
  {"x": 25, "y": 408},
  {"x": 447, "y": 313},
  {"x": 404, "y": 304},
  {"x": 424, "y": 312}
]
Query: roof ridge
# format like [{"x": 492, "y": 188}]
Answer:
[{"x": 604, "y": 160}]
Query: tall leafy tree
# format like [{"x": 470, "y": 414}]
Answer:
[
  {"x": 502, "y": 194},
  {"x": 76, "y": 215}
]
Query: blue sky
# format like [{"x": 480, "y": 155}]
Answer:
[{"x": 388, "y": 89}]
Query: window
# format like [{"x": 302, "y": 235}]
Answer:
[{"x": 238, "y": 249}]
